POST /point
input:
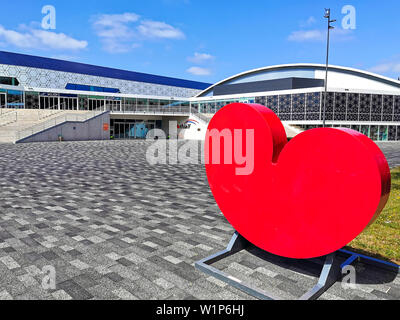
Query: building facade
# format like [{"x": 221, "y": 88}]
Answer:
[
  {"x": 356, "y": 99},
  {"x": 139, "y": 102}
]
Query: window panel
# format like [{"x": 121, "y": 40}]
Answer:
[
  {"x": 376, "y": 104},
  {"x": 340, "y": 106},
  {"x": 272, "y": 102},
  {"x": 383, "y": 133},
  {"x": 397, "y": 105},
  {"x": 392, "y": 133},
  {"x": 353, "y": 101},
  {"x": 365, "y": 103},
  {"x": 299, "y": 104},
  {"x": 314, "y": 103},
  {"x": 285, "y": 104}
]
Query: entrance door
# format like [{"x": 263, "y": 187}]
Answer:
[
  {"x": 2, "y": 100},
  {"x": 117, "y": 130},
  {"x": 49, "y": 103},
  {"x": 68, "y": 103},
  {"x": 96, "y": 105},
  {"x": 131, "y": 130}
]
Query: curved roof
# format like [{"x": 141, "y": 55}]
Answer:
[
  {"x": 17, "y": 59},
  {"x": 302, "y": 66}
]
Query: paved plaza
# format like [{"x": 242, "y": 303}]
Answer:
[{"x": 115, "y": 227}]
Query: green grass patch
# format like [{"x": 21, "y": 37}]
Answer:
[{"x": 382, "y": 239}]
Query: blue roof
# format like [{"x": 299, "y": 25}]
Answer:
[{"x": 24, "y": 60}]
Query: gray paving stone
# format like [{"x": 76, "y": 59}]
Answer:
[{"x": 115, "y": 227}]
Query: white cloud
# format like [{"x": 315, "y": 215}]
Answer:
[
  {"x": 387, "y": 67},
  {"x": 115, "y": 31},
  {"x": 197, "y": 71},
  {"x": 337, "y": 34},
  {"x": 306, "y": 35},
  {"x": 310, "y": 21},
  {"x": 121, "y": 33},
  {"x": 156, "y": 29},
  {"x": 115, "y": 25},
  {"x": 32, "y": 38},
  {"x": 200, "y": 58}
]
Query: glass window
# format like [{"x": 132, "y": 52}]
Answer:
[
  {"x": 130, "y": 105},
  {"x": 383, "y": 133},
  {"x": 15, "y": 99},
  {"x": 142, "y": 105},
  {"x": 9, "y": 81},
  {"x": 365, "y": 130},
  {"x": 392, "y": 133},
  {"x": 374, "y": 133}
]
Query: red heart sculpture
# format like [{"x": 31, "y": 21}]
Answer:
[{"x": 302, "y": 199}]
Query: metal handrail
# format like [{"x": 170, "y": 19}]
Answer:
[
  {"x": 198, "y": 114},
  {"x": 22, "y": 134},
  {"x": 152, "y": 112},
  {"x": 4, "y": 111},
  {"x": 5, "y": 118},
  {"x": 147, "y": 109},
  {"x": 42, "y": 116}
]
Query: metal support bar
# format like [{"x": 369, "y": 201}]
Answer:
[
  {"x": 330, "y": 274},
  {"x": 392, "y": 267}
]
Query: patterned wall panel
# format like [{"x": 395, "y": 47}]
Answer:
[
  {"x": 261, "y": 100},
  {"x": 387, "y": 108},
  {"x": 313, "y": 106},
  {"x": 299, "y": 106},
  {"x": 285, "y": 107},
  {"x": 272, "y": 102},
  {"x": 365, "y": 107},
  {"x": 42, "y": 78},
  {"x": 340, "y": 106},
  {"x": 396, "y": 106},
  {"x": 353, "y": 106},
  {"x": 376, "y": 107}
]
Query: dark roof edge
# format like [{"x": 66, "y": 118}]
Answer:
[{"x": 25, "y": 60}]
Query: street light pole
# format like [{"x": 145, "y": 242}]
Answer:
[{"x": 328, "y": 16}]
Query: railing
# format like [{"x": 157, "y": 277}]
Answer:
[
  {"x": 8, "y": 118},
  {"x": 43, "y": 115},
  {"x": 82, "y": 117},
  {"x": 201, "y": 116},
  {"x": 148, "y": 109},
  {"x": 4, "y": 111}
]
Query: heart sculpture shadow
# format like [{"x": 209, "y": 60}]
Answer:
[{"x": 300, "y": 199}]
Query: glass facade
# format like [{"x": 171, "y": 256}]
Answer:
[
  {"x": 132, "y": 129},
  {"x": 375, "y": 132},
  {"x": 375, "y": 115},
  {"x": 10, "y": 81},
  {"x": 60, "y": 101},
  {"x": 15, "y": 99},
  {"x": 341, "y": 108}
]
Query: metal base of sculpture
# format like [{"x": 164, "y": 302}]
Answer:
[{"x": 330, "y": 274}]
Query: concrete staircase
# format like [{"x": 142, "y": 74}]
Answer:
[
  {"x": 13, "y": 121},
  {"x": 291, "y": 131}
]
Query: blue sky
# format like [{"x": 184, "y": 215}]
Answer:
[{"x": 205, "y": 40}]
